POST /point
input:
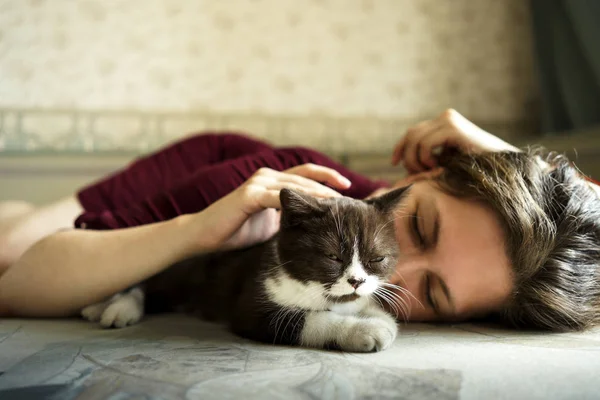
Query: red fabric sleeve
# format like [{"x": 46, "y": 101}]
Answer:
[{"x": 174, "y": 182}]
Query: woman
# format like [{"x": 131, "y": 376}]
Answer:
[{"x": 495, "y": 231}]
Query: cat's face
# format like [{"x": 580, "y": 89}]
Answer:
[{"x": 349, "y": 246}]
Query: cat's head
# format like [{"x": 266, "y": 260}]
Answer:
[{"x": 349, "y": 246}]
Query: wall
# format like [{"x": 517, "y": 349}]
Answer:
[{"x": 341, "y": 75}]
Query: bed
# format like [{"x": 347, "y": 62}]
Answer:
[{"x": 178, "y": 357}]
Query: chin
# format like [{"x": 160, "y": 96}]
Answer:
[{"x": 347, "y": 298}]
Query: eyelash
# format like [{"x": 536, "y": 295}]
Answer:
[
  {"x": 428, "y": 296},
  {"x": 421, "y": 243},
  {"x": 415, "y": 227}
]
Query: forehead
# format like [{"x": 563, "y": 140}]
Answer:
[
  {"x": 352, "y": 220},
  {"x": 471, "y": 252}
]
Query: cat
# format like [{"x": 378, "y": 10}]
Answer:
[{"x": 317, "y": 283}]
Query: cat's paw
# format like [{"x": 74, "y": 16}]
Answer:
[
  {"x": 119, "y": 311},
  {"x": 369, "y": 335},
  {"x": 93, "y": 313},
  {"x": 122, "y": 312}
]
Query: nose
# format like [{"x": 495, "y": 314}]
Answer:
[{"x": 356, "y": 282}]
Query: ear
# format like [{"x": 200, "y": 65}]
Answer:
[
  {"x": 388, "y": 201},
  {"x": 297, "y": 206}
]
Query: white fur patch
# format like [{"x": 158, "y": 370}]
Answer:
[
  {"x": 351, "y": 307},
  {"x": 289, "y": 292},
  {"x": 373, "y": 330},
  {"x": 119, "y": 311}
]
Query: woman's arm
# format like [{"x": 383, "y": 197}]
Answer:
[
  {"x": 418, "y": 147},
  {"x": 69, "y": 270},
  {"x": 66, "y": 271}
]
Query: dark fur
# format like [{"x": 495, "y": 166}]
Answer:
[{"x": 229, "y": 286}]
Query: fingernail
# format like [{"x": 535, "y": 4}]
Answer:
[{"x": 345, "y": 181}]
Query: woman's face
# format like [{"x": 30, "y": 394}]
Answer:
[{"x": 452, "y": 256}]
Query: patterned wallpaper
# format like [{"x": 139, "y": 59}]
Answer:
[{"x": 342, "y": 75}]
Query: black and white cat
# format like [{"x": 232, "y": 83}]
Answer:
[{"x": 318, "y": 283}]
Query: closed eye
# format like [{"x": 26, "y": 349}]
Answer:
[
  {"x": 377, "y": 259},
  {"x": 430, "y": 302},
  {"x": 416, "y": 233},
  {"x": 334, "y": 257}
]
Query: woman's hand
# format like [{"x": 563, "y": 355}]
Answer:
[
  {"x": 249, "y": 215},
  {"x": 420, "y": 146}
]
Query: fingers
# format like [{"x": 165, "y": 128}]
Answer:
[
  {"x": 417, "y": 149},
  {"x": 409, "y": 137},
  {"x": 320, "y": 173},
  {"x": 269, "y": 199},
  {"x": 299, "y": 185},
  {"x": 413, "y": 146},
  {"x": 275, "y": 179},
  {"x": 262, "y": 189},
  {"x": 430, "y": 146}
]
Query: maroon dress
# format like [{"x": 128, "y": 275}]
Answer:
[{"x": 189, "y": 175}]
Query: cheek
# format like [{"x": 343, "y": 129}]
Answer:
[{"x": 407, "y": 276}]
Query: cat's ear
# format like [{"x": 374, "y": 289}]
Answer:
[
  {"x": 297, "y": 206},
  {"x": 388, "y": 201}
]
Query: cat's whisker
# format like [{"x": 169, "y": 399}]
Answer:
[
  {"x": 306, "y": 293},
  {"x": 381, "y": 228},
  {"x": 396, "y": 302},
  {"x": 396, "y": 272},
  {"x": 276, "y": 320},
  {"x": 281, "y": 314},
  {"x": 378, "y": 301},
  {"x": 399, "y": 307},
  {"x": 389, "y": 301},
  {"x": 282, "y": 264},
  {"x": 338, "y": 222},
  {"x": 405, "y": 304},
  {"x": 403, "y": 290}
]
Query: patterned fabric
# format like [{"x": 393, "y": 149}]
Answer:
[
  {"x": 337, "y": 75},
  {"x": 173, "y": 357}
]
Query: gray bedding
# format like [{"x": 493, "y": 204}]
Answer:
[{"x": 176, "y": 357}]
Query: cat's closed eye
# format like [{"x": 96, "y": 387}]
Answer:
[
  {"x": 377, "y": 259},
  {"x": 334, "y": 257}
]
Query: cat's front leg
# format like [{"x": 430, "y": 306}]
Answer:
[
  {"x": 374, "y": 311},
  {"x": 364, "y": 333}
]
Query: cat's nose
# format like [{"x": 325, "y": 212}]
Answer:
[{"x": 356, "y": 282}]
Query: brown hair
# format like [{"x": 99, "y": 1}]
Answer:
[{"x": 551, "y": 220}]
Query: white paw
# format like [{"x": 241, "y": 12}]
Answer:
[
  {"x": 119, "y": 311},
  {"x": 368, "y": 335},
  {"x": 94, "y": 312}
]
